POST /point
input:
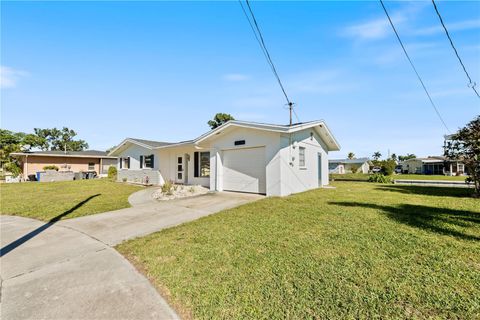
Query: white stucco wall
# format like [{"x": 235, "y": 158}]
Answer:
[
  {"x": 134, "y": 152},
  {"x": 295, "y": 178},
  {"x": 168, "y": 165},
  {"x": 253, "y": 138}
]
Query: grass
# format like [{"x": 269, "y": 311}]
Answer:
[
  {"x": 364, "y": 177},
  {"x": 45, "y": 201},
  {"x": 358, "y": 251}
]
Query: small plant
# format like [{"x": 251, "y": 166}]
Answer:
[
  {"x": 167, "y": 188},
  {"x": 191, "y": 189},
  {"x": 354, "y": 169},
  {"x": 124, "y": 179},
  {"x": 50, "y": 167},
  {"x": 379, "y": 178},
  {"x": 112, "y": 173}
]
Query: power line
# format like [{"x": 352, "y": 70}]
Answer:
[
  {"x": 471, "y": 83},
  {"x": 259, "y": 37},
  {"x": 263, "y": 45},
  {"x": 413, "y": 67}
]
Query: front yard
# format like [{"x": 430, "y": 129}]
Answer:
[
  {"x": 364, "y": 177},
  {"x": 358, "y": 251},
  {"x": 69, "y": 199}
]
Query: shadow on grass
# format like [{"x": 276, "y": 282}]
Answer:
[
  {"x": 42, "y": 228},
  {"x": 429, "y": 191},
  {"x": 440, "y": 220}
]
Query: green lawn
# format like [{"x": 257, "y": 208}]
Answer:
[
  {"x": 358, "y": 251},
  {"x": 69, "y": 199},
  {"x": 364, "y": 177}
]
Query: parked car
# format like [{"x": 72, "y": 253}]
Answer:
[
  {"x": 376, "y": 170},
  {"x": 398, "y": 169}
]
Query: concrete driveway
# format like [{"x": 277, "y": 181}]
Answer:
[{"x": 70, "y": 270}]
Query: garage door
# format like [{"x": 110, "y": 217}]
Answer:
[{"x": 244, "y": 170}]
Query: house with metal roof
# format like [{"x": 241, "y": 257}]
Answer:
[
  {"x": 342, "y": 166},
  {"x": 241, "y": 156}
]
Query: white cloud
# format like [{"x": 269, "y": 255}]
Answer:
[
  {"x": 236, "y": 77},
  {"x": 456, "y": 26},
  {"x": 10, "y": 76},
  {"x": 380, "y": 28}
]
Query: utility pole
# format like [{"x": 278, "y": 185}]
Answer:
[{"x": 290, "y": 107}]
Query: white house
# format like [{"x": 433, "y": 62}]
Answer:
[
  {"x": 342, "y": 166},
  {"x": 275, "y": 160}
]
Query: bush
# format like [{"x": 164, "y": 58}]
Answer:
[
  {"x": 388, "y": 167},
  {"x": 354, "y": 169},
  {"x": 167, "y": 187},
  {"x": 379, "y": 178},
  {"x": 50, "y": 167},
  {"x": 112, "y": 173}
]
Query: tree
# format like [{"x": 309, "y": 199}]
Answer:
[
  {"x": 376, "y": 155},
  {"x": 464, "y": 146},
  {"x": 219, "y": 119},
  {"x": 351, "y": 155},
  {"x": 55, "y": 139},
  {"x": 408, "y": 156},
  {"x": 394, "y": 157}
]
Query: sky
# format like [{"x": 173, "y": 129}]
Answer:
[{"x": 160, "y": 70}]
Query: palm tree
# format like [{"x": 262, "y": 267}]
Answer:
[
  {"x": 351, "y": 155},
  {"x": 377, "y": 155}
]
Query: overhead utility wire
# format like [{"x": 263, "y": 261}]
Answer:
[
  {"x": 413, "y": 67},
  {"x": 471, "y": 83},
  {"x": 258, "y": 35}
]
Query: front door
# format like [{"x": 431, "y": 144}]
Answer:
[{"x": 180, "y": 169}]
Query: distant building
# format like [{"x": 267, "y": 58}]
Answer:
[
  {"x": 435, "y": 165},
  {"x": 342, "y": 166},
  {"x": 71, "y": 161}
]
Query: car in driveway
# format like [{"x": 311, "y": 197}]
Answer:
[{"x": 376, "y": 170}]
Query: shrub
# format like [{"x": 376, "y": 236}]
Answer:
[
  {"x": 354, "y": 169},
  {"x": 379, "y": 178},
  {"x": 50, "y": 167},
  {"x": 167, "y": 187},
  {"x": 112, "y": 173},
  {"x": 124, "y": 179},
  {"x": 388, "y": 167}
]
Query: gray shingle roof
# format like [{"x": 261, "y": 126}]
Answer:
[
  {"x": 151, "y": 143},
  {"x": 93, "y": 153}
]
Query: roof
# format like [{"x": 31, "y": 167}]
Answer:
[
  {"x": 350, "y": 161},
  {"x": 150, "y": 143},
  {"x": 59, "y": 153},
  {"x": 319, "y": 126}
]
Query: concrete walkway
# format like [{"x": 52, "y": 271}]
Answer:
[{"x": 70, "y": 270}]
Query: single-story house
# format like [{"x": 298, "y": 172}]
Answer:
[
  {"x": 343, "y": 166},
  {"x": 435, "y": 165},
  {"x": 72, "y": 161},
  {"x": 270, "y": 159}
]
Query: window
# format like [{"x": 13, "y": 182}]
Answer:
[
  {"x": 91, "y": 166},
  {"x": 126, "y": 163},
  {"x": 301, "y": 156},
  {"x": 204, "y": 164},
  {"x": 146, "y": 161}
]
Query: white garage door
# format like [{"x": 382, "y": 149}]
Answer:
[{"x": 244, "y": 170}]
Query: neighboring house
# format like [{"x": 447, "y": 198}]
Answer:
[
  {"x": 275, "y": 160},
  {"x": 343, "y": 166},
  {"x": 435, "y": 165},
  {"x": 74, "y": 161}
]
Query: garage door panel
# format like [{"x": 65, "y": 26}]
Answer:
[{"x": 244, "y": 170}]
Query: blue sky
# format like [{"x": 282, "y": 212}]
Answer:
[{"x": 161, "y": 70}]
